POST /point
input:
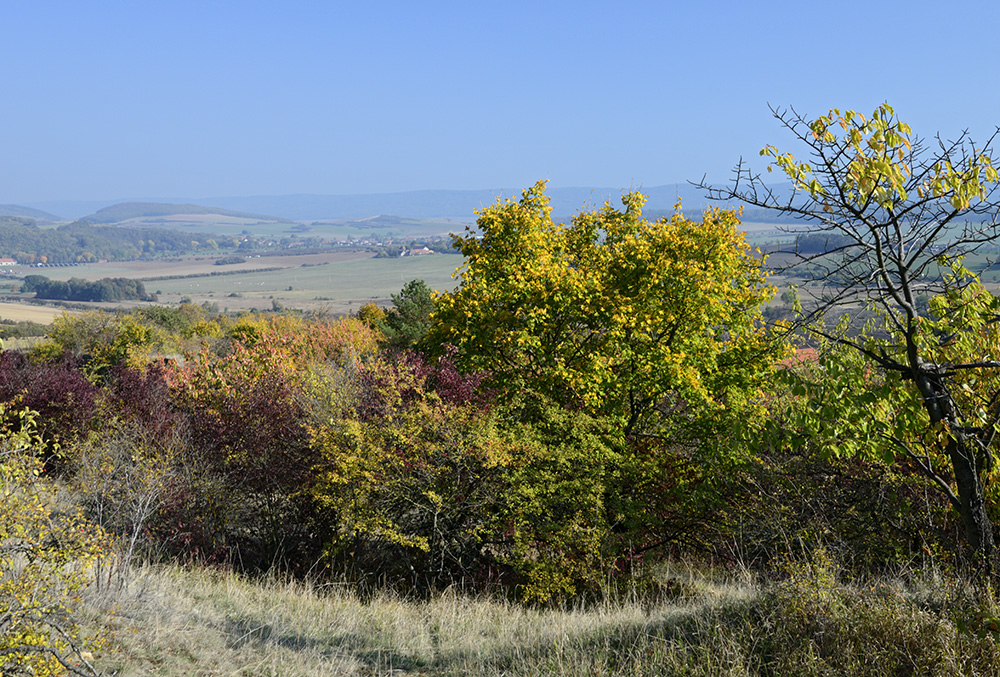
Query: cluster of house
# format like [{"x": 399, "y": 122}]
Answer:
[{"x": 419, "y": 251}]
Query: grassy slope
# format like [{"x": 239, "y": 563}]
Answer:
[{"x": 172, "y": 621}]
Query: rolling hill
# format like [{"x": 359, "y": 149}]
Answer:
[
  {"x": 448, "y": 204},
  {"x": 125, "y": 211},
  {"x": 421, "y": 204},
  {"x": 29, "y": 213}
]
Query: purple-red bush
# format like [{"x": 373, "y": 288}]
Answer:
[
  {"x": 64, "y": 399},
  {"x": 143, "y": 397},
  {"x": 183, "y": 527},
  {"x": 248, "y": 436},
  {"x": 254, "y": 433},
  {"x": 411, "y": 376}
]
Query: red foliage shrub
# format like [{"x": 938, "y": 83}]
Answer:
[
  {"x": 143, "y": 396},
  {"x": 64, "y": 399},
  {"x": 411, "y": 376},
  {"x": 249, "y": 439}
]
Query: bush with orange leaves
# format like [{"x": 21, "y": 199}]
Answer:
[{"x": 249, "y": 439}]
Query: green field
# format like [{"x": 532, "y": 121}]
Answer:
[
  {"x": 194, "y": 265},
  {"x": 336, "y": 282},
  {"x": 335, "y": 287}
]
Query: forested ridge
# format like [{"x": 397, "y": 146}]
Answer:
[{"x": 82, "y": 241}]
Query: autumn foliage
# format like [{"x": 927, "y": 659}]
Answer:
[
  {"x": 591, "y": 396},
  {"x": 611, "y": 314},
  {"x": 540, "y": 428}
]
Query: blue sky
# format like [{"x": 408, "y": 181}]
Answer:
[{"x": 111, "y": 100}]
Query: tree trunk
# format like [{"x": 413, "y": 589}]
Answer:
[
  {"x": 962, "y": 452},
  {"x": 978, "y": 527}
]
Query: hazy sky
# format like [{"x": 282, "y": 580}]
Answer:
[{"x": 108, "y": 100}]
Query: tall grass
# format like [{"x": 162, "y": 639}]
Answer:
[{"x": 171, "y": 621}]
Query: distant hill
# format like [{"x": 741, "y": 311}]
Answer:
[
  {"x": 421, "y": 204},
  {"x": 388, "y": 222},
  {"x": 28, "y": 213},
  {"x": 448, "y": 204},
  {"x": 82, "y": 241},
  {"x": 125, "y": 211}
]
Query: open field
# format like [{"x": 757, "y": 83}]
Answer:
[
  {"x": 335, "y": 282},
  {"x": 195, "y": 265},
  {"x": 401, "y": 228},
  {"x": 333, "y": 287},
  {"x": 24, "y": 312},
  {"x": 215, "y": 224}
]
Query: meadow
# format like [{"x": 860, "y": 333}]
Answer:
[
  {"x": 171, "y": 620},
  {"x": 339, "y": 287}
]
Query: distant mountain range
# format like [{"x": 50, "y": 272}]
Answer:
[{"x": 453, "y": 204}]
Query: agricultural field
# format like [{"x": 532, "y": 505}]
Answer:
[
  {"x": 380, "y": 227},
  {"x": 195, "y": 265},
  {"x": 337, "y": 288},
  {"x": 27, "y": 312},
  {"x": 211, "y": 223},
  {"x": 336, "y": 282}
]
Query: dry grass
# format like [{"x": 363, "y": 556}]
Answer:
[{"x": 174, "y": 621}]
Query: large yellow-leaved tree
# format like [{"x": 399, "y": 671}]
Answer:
[{"x": 655, "y": 324}]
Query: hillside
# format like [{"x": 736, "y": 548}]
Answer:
[
  {"x": 125, "y": 211},
  {"x": 22, "y": 239},
  {"x": 419, "y": 204},
  {"x": 28, "y": 213}
]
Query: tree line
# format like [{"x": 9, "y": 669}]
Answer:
[{"x": 77, "y": 289}]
